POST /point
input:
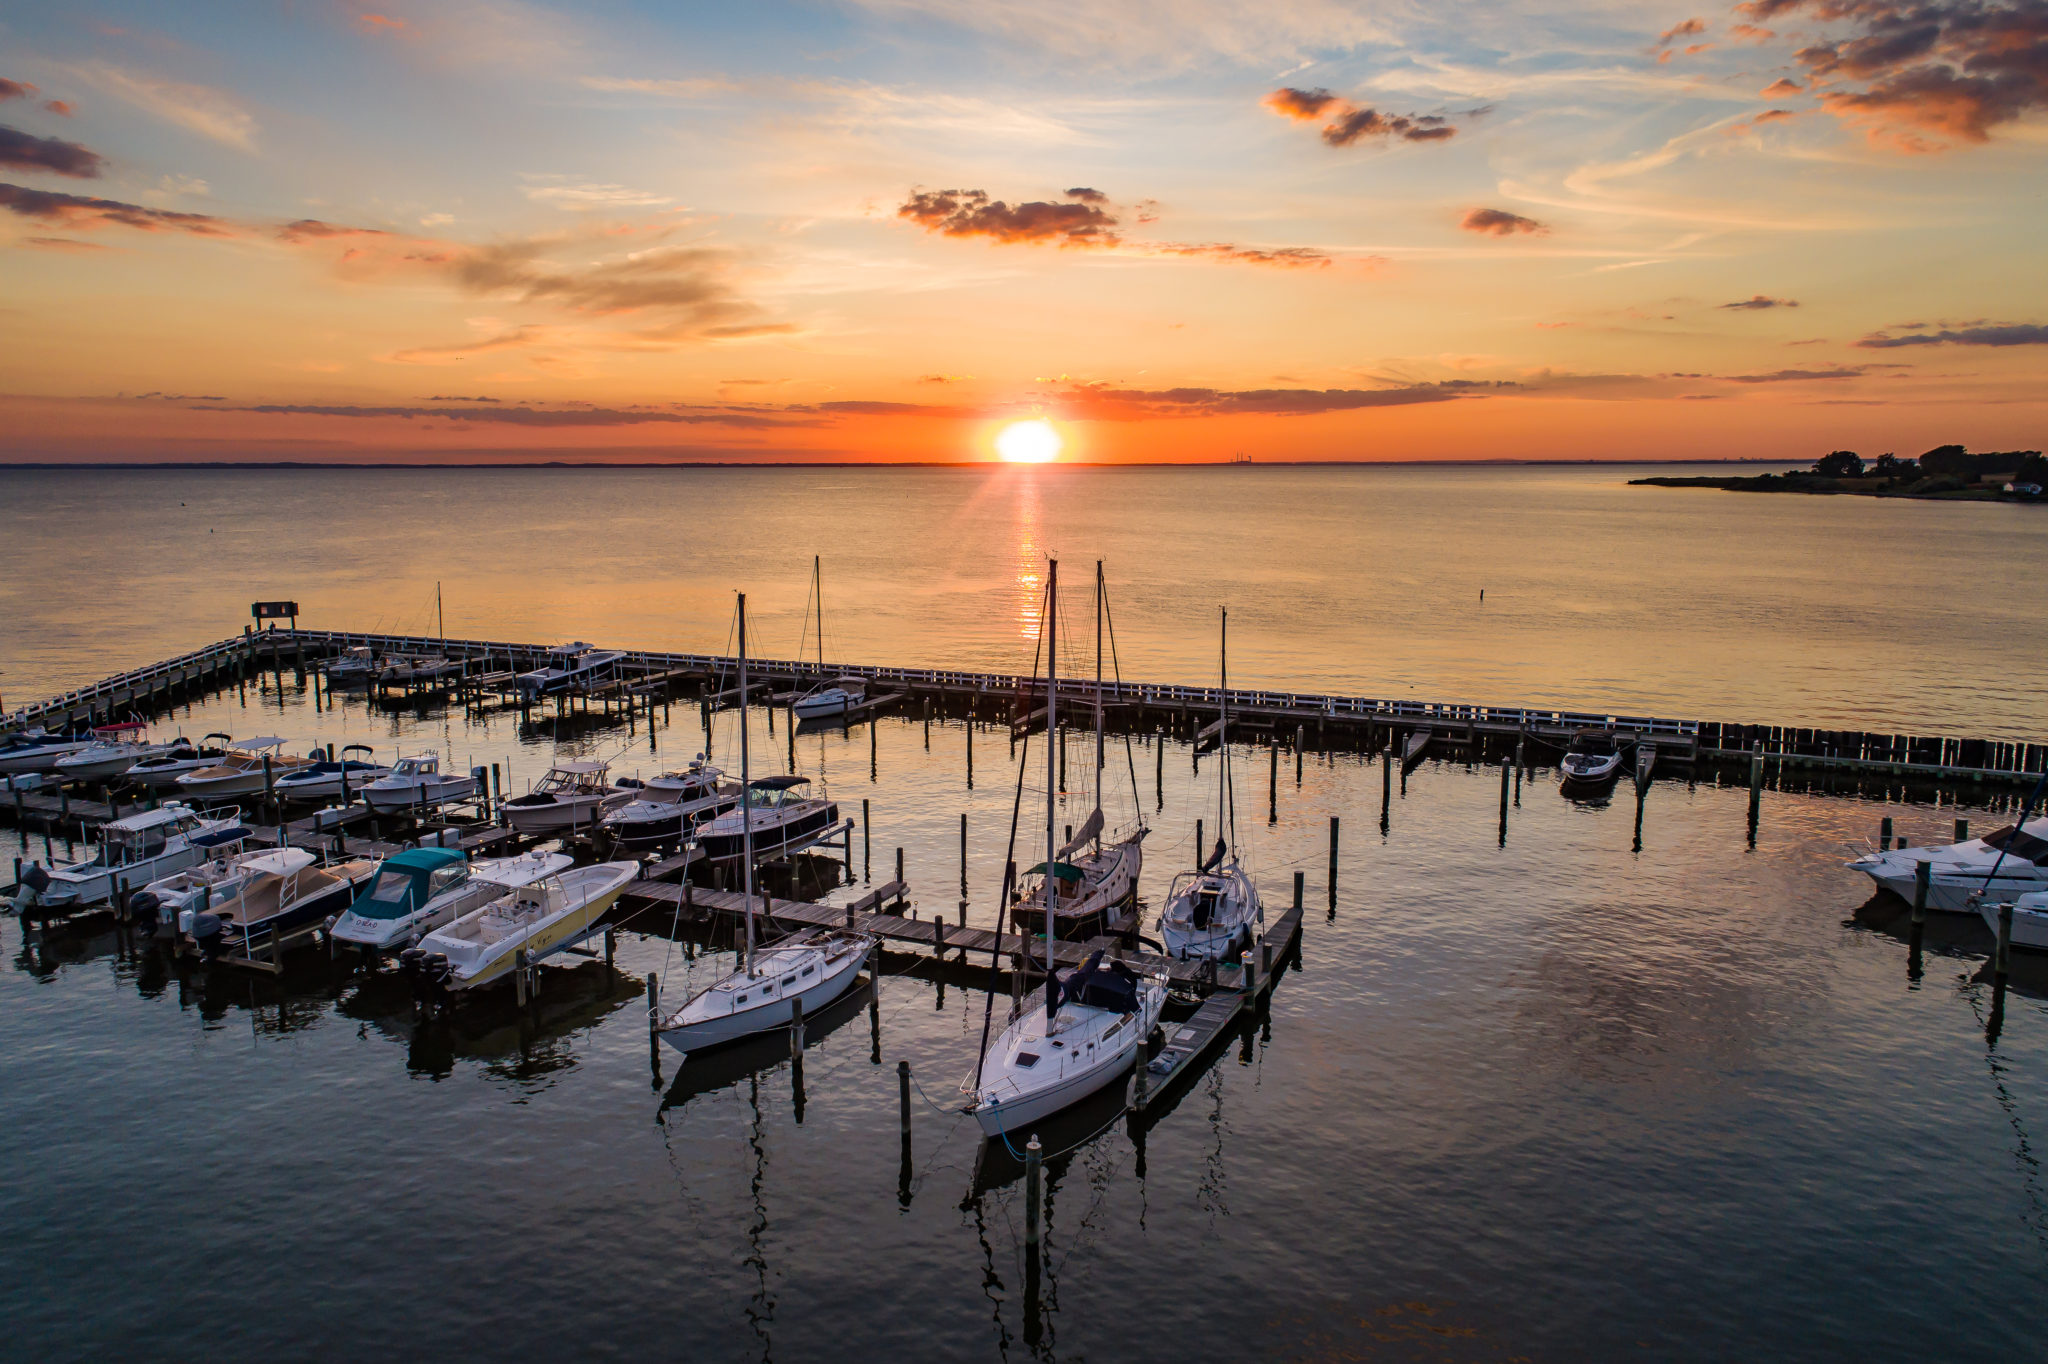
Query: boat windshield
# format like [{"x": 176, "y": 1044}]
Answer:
[
  {"x": 1597, "y": 745},
  {"x": 2018, "y": 843},
  {"x": 769, "y": 798},
  {"x": 390, "y": 897}
]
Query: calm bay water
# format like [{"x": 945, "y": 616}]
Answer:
[
  {"x": 1695, "y": 604},
  {"x": 1557, "y": 1099}
]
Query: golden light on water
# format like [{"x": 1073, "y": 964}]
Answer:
[{"x": 1029, "y": 442}]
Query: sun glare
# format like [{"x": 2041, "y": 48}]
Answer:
[{"x": 1032, "y": 442}]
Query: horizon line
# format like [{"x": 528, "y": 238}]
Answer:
[{"x": 864, "y": 464}]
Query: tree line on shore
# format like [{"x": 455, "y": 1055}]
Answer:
[{"x": 1943, "y": 468}]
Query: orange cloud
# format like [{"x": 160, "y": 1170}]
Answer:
[
  {"x": 971, "y": 213},
  {"x": 1681, "y": 29},
  {"x": 1349, "y": 123},
  {"x": 79, "y": 212}
]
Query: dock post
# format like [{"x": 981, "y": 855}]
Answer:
[
  {"x": 927, "y": 724},
  {"x": 1962, "y": 830},
  {"x": 1884, "y": 835},
  {"x": 497, "y": 789},
  {"x": 874, "y": 749},
  {"x": 270, "y": 784},
  {"x": 1158, "y": 773},
  {"x": 1273, "y": 785},
  {"x": 654, "y": 1016},
  {"x": 867, "y": 843},
  {"x": 519, "y": 976},
  {"x": 1300, "y": 879},
  {"x": 1300, "y": 743},
  {"x": 1756, "y": 786},
  {"x": 1333, "y": 866},
  {"x": 2001, "y": 963},
  {"x": 1198, "y": 845},
  {"x": 970, "y": 751},
  {"x": 1034, "y": 1159},
  {"x": 796, "y": 1038},
  {"x": 1922, "y": 874},
  {"x": 899, "y": 866},
  {"x": 903, "y": 1107},
  {"x": 611, "y": 945},
  {"x": 1504, "y": 780},
  {"x": 1387, "y": 789}
]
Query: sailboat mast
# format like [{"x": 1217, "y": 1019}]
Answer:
[
  {"x": 1052, "y": 773},
  {"x": 746, "y": 802},
  {"x": 1098, "y": 687},
  {"x": 818, "y": 586},
  {"x": 440, "y": 619},
  {"x": 1222, "y": 727}
]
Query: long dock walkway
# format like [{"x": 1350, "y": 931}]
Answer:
[{"x": 1369, "y": 722}]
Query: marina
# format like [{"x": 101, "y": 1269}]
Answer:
[{"x": 1434, "y": 898}]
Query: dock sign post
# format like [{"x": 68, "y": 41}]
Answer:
[{"x": 271, "y": 610}]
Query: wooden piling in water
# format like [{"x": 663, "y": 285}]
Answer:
[
  {"x": 1504, "y": 780},
  {"x": 1034, "y": 1156},
  {"x": 1962, "y": 830},
  {"x": 1333, "y": 865},
  {"x": 1756, "y": 787},
  {"x": 1884, "y": 834},
  {"x": 1273, "y": 785}
]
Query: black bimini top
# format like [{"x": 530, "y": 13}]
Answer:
[
  {"x": 1112, "y": 986},
  {"x": 777, "y": 783}
]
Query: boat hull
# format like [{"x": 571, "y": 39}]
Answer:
[
  {"x": 249, "y": 939},
  {"x": 717, "y": 1032},
  {"x": 2029, "y": 926},
  {"x": 577, "y": 812},
  {"x": 771, "y": 841},
  {"x": 1957, "y": 890},
  {"x": 398, "y": 800},
  {"x": 100, "y": 885}
]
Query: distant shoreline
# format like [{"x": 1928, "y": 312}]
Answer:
[
  {"x": 893, "y": 464},
  {"x": 1815, "y": 485}
]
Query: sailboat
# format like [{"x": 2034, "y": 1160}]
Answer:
[
  {"x": 1093, "y": 1020},
  {"x": 834, "y": 697},
  {"x": 1210, "y": 911},
  {"x": 1089, "y": 879},
  {"x": 812, "y": 967}
]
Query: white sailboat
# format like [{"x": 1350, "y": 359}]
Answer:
[
  {"x": 835, "y": 697},
  {"x": 1091, "y": 1023},
  {"x": 1209, "y": 912},
  {"x": 1088, "y": 880},
  {"x": 813, "y": 967}
]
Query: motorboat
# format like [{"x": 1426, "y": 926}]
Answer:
[
  {"x": 115, "y": 749},
  {"x": 690, "y": 783},
  {"x": 1083, "y": 1034},
  {"x": 811, "y": 968},
  {"x": 648, "y": 822},
  {"x": 800, "y": 973},
  {"x": 420, "y": 889},
  {"x": 242, "y": 771},
  {"x": 840, "y": 694},
  {"x": 1592, "y": 757},
  {"x": 323, "y": 779},
  {"x": 282, "y": 891},
  {"x": 134, "y": 850},
  {"x": 352, "y": 667},
  {"x": 2004, "y": 865},
  {"x": 1088, "y": 882},
  {"x": 1091, "y": 1024},
  {"x": 568, "y": 666},
  {"x": 2029, "y": 920},
  {"x": 181, "y": 759},
  {"x": 1209, "y": 913},
  {"x": 416, "y": 783},
  {"x": 38, "y": 750},
  {"x": 573, "y": 795},
  {"x": 779, "y": 819},
  {"x": 551, "y": 913},
  {"x": 186, "y": 892}
]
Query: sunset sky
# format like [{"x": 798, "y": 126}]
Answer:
[{"x": 888, "y": 229}]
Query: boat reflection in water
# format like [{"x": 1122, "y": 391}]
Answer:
[{"x": 721, "y": 1068}]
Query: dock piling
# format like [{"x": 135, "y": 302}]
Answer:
[
  {"x": 2001, "y": 963},
  {"x": 1198, "y": 845},
  {"x": 1387, "y": 789},
  {"x": 1273, "y": 785},
  {"x": 1962, "y": 830},
  {"x": 1333, "y": 866},
  {"x": 867, "y": 843},
  {"x": 1034, "y": 1158},
  {"x": 1158, "y": 774},
  {"x": 903, "y": 1106},
  {"x": 1300, "y": 879},
  {"x": 963, "y": 852},
  {"x": 1884, "y": 835},
  {"x": 1504, "y": 781},
  {"x": 1756, "y": 787}
]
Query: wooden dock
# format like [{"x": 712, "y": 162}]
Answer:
[
  {"x": 1353, "y": 722},
  {"x": 1192, "y": 1039}
]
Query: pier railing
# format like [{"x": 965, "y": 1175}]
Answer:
[{"x": 1256, "y": 705}]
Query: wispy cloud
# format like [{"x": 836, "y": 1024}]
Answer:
[
  {"x": 200, "y": 109},
  {"x": 2001, "y": 334},
  {"x": 25, "y": 151}
]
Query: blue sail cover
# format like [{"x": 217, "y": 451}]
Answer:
[{"x": 1112, "y": 986}]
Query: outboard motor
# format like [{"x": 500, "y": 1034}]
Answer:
[
  {"x": 34, "y": 881},
  {"x": 206, "y": 932},
  {"x": 144, "y": 908}
]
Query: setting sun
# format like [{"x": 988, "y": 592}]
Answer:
[{"x": 1032, "y": 442}]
